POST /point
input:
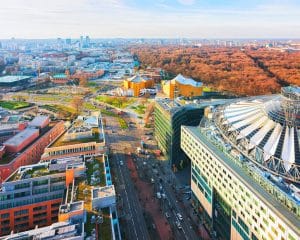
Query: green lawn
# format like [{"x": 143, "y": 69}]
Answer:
[
  {"x": 105, "y": 227},
  {"x": 122, "y": 122},
  {"x": 119, "y": 102},
  {"x": 13, "y": 105},
  {"x": 139, "y": 109},
  {"x": 89, "y": 106},
  {"x": 65, "y": 111}
]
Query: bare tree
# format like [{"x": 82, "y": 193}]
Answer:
[{"x": 77, "y": 103}]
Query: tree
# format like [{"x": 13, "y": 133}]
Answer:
[
  {"x": 83, "y": 81},
  {"x": 77, "y": 103}
]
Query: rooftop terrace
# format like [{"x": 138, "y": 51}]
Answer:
[
  {"x": 103, "y": 192},
  {"x": 31, "y": 171}
]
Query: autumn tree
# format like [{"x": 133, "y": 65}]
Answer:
[{"x": 77, "y": 104}]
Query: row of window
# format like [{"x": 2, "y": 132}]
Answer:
[
  {"x": 31, "y": 201},
  {"x": 234, "y": 191}
]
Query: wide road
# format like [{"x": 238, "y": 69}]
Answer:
[
  {"x": 170, "y": 205},
  {"x": 131, "y": 209}
]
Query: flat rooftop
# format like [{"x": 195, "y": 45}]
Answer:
[
  {"x": 288, "y": 217},
  {"x": 38, "y": 121},
  {"x": 71, "y": 207},
  {"x": 31, "y": 171},
  {"x": 65, "y": 230},
  {"x": 62, "y": 75},
  {"x": 11, "y": 79},
  {"x": 102, "y": 192},
  {"x": 21, "y": 137}
]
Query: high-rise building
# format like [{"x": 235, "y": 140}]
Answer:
[
  {"x": 245, "y": 167},
  {"x": 68, "y": 41},
  {"x": 169, "y": 116},
  {"x": 87, "y": 41},
  {"x": 81, "y": 41}
]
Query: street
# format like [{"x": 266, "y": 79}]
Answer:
[{"x": 132, "y": 205}]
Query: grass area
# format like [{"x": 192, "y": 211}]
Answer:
[
  {"x": 122, "y": 122},
  {"x": 52, "y": 98},
  {"x": 92, "y": 84},
  {"x": 89, "y": 106},
  {"x": 105, "y": 227},
  {"x": 119, "y": 102},
  {"x": 109, "y": 113},
  {"x": 65, "y": 111},
  {"x": 139, "y": 109},
  {"x": 91, "y": 169},
  {"x": 207, "y": 89},
  {"x": 14, "y": 105}
]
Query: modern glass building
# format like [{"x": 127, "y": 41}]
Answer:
[
  {"x": 169, "y": 116},
  {"x": 245, "y": 167}
]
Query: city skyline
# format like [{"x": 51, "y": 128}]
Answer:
[{"x": 150, "y": 19}]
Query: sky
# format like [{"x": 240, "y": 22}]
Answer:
[{"x": 150, "y": 18}]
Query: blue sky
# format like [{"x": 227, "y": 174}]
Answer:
[{"x": 150, "y": 18}]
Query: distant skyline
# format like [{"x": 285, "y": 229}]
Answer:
[{"x": 150, "y": 18}]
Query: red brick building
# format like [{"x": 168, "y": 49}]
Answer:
[{"x": 33, "y": 153}]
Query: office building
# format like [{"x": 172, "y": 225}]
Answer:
[
  {"x": 169, "y": 116},
  {"x": 245, "y": 167},
  {"x": 32, "y": 195}
]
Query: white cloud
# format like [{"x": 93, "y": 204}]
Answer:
[
  {"x": 187, "y": 2},
  {"x": 116, "y": 18}
]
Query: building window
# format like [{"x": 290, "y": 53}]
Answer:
[
  {"x": 281, "y": 228},
  {"x": 39, "y": 208},
  {"x": 21, "y": 212},
  {"x": 243, "y": 225},
  {"x": 4, "y": 215}
]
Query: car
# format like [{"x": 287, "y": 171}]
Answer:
[
  {"x": 178, "y": 225},
  {"x": 167, "y": 215},
  {"x": 188, "y": 197},
  {"x": 121, "y": 163},
  {"x": 179, "y": 216},
  {"x": 158, "y": 195},
  {"x": 152, "y": 180}
]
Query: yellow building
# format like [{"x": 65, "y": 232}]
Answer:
[
  {"x": 137, "y": 83},
  {"x": 182, "y": 86}
]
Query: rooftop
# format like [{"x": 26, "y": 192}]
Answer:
[
  {"x": 269, "y": 125},
  {"x": 11, "y": 79},
  {"x": 31, "y": 171},
  {"x": 185, "y": 81},
  {"x": 21, "y": 137},
  {"x": 59, "y": 230},
  {"x": 38, "y": 121},
  {"x": 137, "y": 79},
  {"x": 243, "y": 175},
  {"x": 102, "y": 192},
  {"x": 71, "y": 207},
  {"x": 61, "y": 75}
]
